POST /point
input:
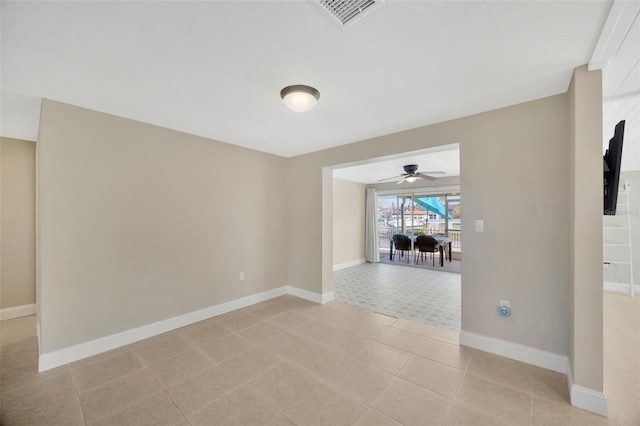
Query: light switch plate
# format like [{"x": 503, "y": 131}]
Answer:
[{"x": 479, "y": 225}]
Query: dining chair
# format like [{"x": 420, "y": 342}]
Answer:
[
  {"x": 403, "y": 244},
  {"x": 427, "y": 244}
]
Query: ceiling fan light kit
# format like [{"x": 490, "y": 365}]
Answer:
[{"x": 300, "y": 97}]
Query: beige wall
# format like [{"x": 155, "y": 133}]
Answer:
[
  {"x": 514, "y": 177},
  {"x": 18, "y": 225},
  {"x": 585, "y": 231},
  {"x": 348, "y": 221},
  {"x": 139, "y": 224}
]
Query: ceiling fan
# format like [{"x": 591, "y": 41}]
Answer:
[{"x": 411, "y": 174}]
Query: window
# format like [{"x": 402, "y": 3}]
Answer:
[{"x": 416, "y": 214}]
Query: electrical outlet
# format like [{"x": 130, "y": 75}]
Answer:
[
  {"x": 505, "y": 303},
  {"x": 241, "y": 276}
]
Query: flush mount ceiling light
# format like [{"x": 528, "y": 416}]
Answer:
[{"x": 300, "y": 98}]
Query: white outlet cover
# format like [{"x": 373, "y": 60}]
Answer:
[{"x": 479, "y": 225}]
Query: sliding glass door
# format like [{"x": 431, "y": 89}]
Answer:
[{"x": 416, "y": 214}]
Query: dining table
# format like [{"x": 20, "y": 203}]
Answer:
[{"x": 445, "y": 247}]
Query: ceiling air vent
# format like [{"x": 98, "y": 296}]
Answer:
[{"x": 346, "y": 10}]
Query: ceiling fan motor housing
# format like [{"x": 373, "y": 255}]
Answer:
[{"x": 411, "y": 168}]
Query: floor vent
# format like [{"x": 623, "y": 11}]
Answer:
[{"x": 345, "y": 11}]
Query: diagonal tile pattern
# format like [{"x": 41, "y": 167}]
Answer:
[
  {"x": 417, "y": 294},
  {"x": 314, "y": 365}
]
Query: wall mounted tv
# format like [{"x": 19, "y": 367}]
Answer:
[{"x": 612, "y": 160}]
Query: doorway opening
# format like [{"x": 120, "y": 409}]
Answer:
[{"x": 415, "y": 285}]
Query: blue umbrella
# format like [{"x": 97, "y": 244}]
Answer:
[{"x": 432, "y": 204}]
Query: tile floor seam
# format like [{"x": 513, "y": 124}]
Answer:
[
  {"x": 495, "y": 382},
  {"x": 187, "y": 376},
  {"x": 239, "y": 386},
  {"x": 124, "y": 407},
  {"x": 442, "y": 363},
  {"x": 73, "y": 381},
  {"x": 464, "y": 374},
  {"x": 121, "y": 408},
  {"x": 452, "y": 401},
  {"x": 404, "y": 363},
  {"x": 393, "y": 346},
  {"x": 84, "y": 419},
  {"x": 136, "y": 357},
  {"x": 321, "y": 342},
  {"x": 174, "y": 405},
  {"x": 350, "y": 396},
  {"x": 382, "y": 393},
  {"x": 260, "y": 346},
  {"x": 244, "y": 328},
  {"x": 268, "y": 403},
  {"x": 531, "y": 410},
  {"x": 199, "y": 349},
  {"x": 421, "y": 386}
]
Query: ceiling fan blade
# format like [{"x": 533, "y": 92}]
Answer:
[
  {"x": 391, "y": 178},
  {"x": 432, "y": 172},
  {"x": 400, "y": 181},
  {"x": 427, "y": 177}
]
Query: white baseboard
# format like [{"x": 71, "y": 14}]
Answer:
[
  {"x": 305, "y": 294},
  {"x": 538, "y": 357},
  {"x": 328, "y": 297},
  {"x": 83, "y": 350},
  {"x": 587, "y": 399},
  {"x": 581, "y": 397},
  {"x": 17, "y": 312},
  {"x": 349, "y": 264},
  {"x": 621, "y": 287},
  {"x": 64, "y": 356},
  {"x": 310, "y": 296}
]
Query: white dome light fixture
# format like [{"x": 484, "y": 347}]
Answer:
[{"x": 300, "y": 98}]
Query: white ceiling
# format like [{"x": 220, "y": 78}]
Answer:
[
  {"x": 444, "y": 159},
  {"x": 216, "y": 68},
  {"x": 621, "y": 92}
]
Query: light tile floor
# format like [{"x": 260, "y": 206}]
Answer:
[
  {"x": 423, "y": 295},
  {"x": 454, "y": 265},
  {"x": 622, "y": 356},
  {"x": 286, "y": 361}
]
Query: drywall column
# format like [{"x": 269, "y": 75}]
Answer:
[
  {"x": 585, "y": 241},
  {"x": 18, "y": 224},
  {"x": 348, "y": 222},
  {"x": 327, "y": 235}
]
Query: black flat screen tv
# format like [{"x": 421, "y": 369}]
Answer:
[{"x": 611, "y": 165}]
